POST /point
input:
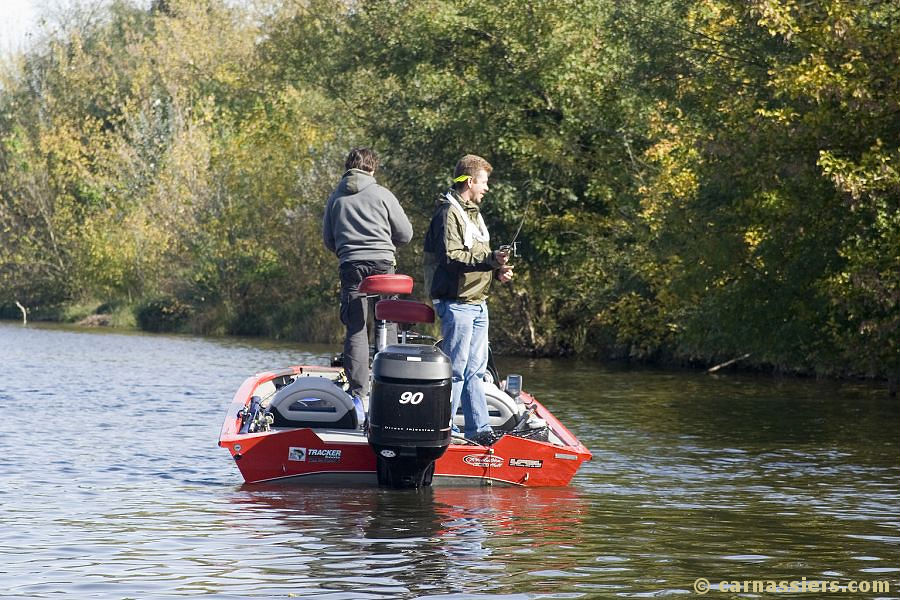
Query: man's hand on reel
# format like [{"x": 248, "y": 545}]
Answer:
[
  {"x": 505, "y": 271},
  {"x": 502, "y": 255}
]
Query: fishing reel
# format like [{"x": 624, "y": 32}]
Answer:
[
  {"x": 254, "y": 418},
  {"x": 262, "y": 422},
  {"x": 512, "y": 249}
]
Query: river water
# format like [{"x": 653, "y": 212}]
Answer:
[{"x": 112, "y": 486}]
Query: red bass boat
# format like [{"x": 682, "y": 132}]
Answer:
[{"x": 301, "y": 424}]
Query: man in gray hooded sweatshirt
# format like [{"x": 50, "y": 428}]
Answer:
[{"x": 363, "y": 225}]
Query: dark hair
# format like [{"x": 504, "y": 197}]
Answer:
[
  {"x": 470, "y": 165},
  {"x": 363, "y": 159}
]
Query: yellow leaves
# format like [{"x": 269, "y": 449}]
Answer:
[
  {"x": 847, "y": 53},
  {"x": 69, "y": 146},
  {"x": 875, "y": 172},
  {"x": 753, "y": 236},
  {"x": 711, "y": 13},
  {"x": 817, "y": 78},
  {"x": 204, "y": 42},
  {"x": 674, "y": 181},
  {"x": 778, "y": 17},
  {"x": 842, "y": 18},
  {"x": 853, "y": 62},
  {"x": 182, "y": 181},
  {"x": 783, "y": 115},
  {"x": 114, "y": 256}
]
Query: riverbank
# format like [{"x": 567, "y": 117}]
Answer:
[
  {"x": 96, "y": 314},
  {"x": 129, "y": 317},
  {"x": 165, "y": 314}
]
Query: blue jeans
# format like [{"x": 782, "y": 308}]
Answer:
[{"x": 464, "y": 328}]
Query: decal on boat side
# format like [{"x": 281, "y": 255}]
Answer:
[
  {"x": 524, "y": 462},
  {"x": 322, "y": 455},
  {"x": 313, "y": 454},
  {"x": 483, "y": 460}
]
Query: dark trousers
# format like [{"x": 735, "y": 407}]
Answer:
[{"x": 354, "y": 315}]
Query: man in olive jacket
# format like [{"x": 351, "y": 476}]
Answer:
[
  {"x": 459, "y": 267},
  {"x": 363, "y": 225}
]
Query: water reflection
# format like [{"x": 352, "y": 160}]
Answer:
[
  {"x": 411, "y": 542},
  {"x": 114, "y": 487}
]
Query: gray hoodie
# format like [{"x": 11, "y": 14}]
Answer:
[{"x": 363, "y": 220}]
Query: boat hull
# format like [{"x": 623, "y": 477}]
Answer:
[{"x": 341, "y": 456}]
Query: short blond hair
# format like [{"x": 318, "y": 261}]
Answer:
[{"x": 469, "y": 165}]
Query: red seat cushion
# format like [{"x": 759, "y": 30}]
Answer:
[
  {"x": 387, "y": 284},
  {"x": 404, "y": 311}
]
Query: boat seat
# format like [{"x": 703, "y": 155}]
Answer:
[
  {"x": 313, "y": 402},
  {"x": 387, "y": 284},
  {"x": 404, "y": 311},
  {"x": 503, "y": 411}
]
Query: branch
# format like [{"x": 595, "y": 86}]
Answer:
[
  {"x": 727, "y": 363},
  {"x": 24, "y": 313}
]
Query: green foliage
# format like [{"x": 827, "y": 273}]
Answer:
[
  {"x": 162, "y": 314},
  {"x": 695, "y": 181}
]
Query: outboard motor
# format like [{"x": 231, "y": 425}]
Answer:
[{"x": 409, "y": 413}]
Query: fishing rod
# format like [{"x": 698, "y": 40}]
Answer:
[{"x": 513, "y": 247}]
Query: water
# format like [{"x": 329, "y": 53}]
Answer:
[{"x": 112, "y": 486}]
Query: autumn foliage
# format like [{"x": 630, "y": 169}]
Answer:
[{"x": 696, "y": 181}]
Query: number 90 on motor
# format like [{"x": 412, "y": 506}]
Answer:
[{"x": 411, "y": 398}]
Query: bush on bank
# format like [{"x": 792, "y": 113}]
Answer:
[{"x": 694, "y": 182}]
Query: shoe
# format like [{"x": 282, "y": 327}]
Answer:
[{"x": 484, "y": 438}]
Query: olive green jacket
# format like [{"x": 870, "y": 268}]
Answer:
[{"x": 453, "y": 270}]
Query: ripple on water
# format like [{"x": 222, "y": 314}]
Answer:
[{"x": 118, "y": 488}]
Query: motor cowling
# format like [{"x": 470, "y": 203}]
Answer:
[{"x": 409, "y": 413}]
